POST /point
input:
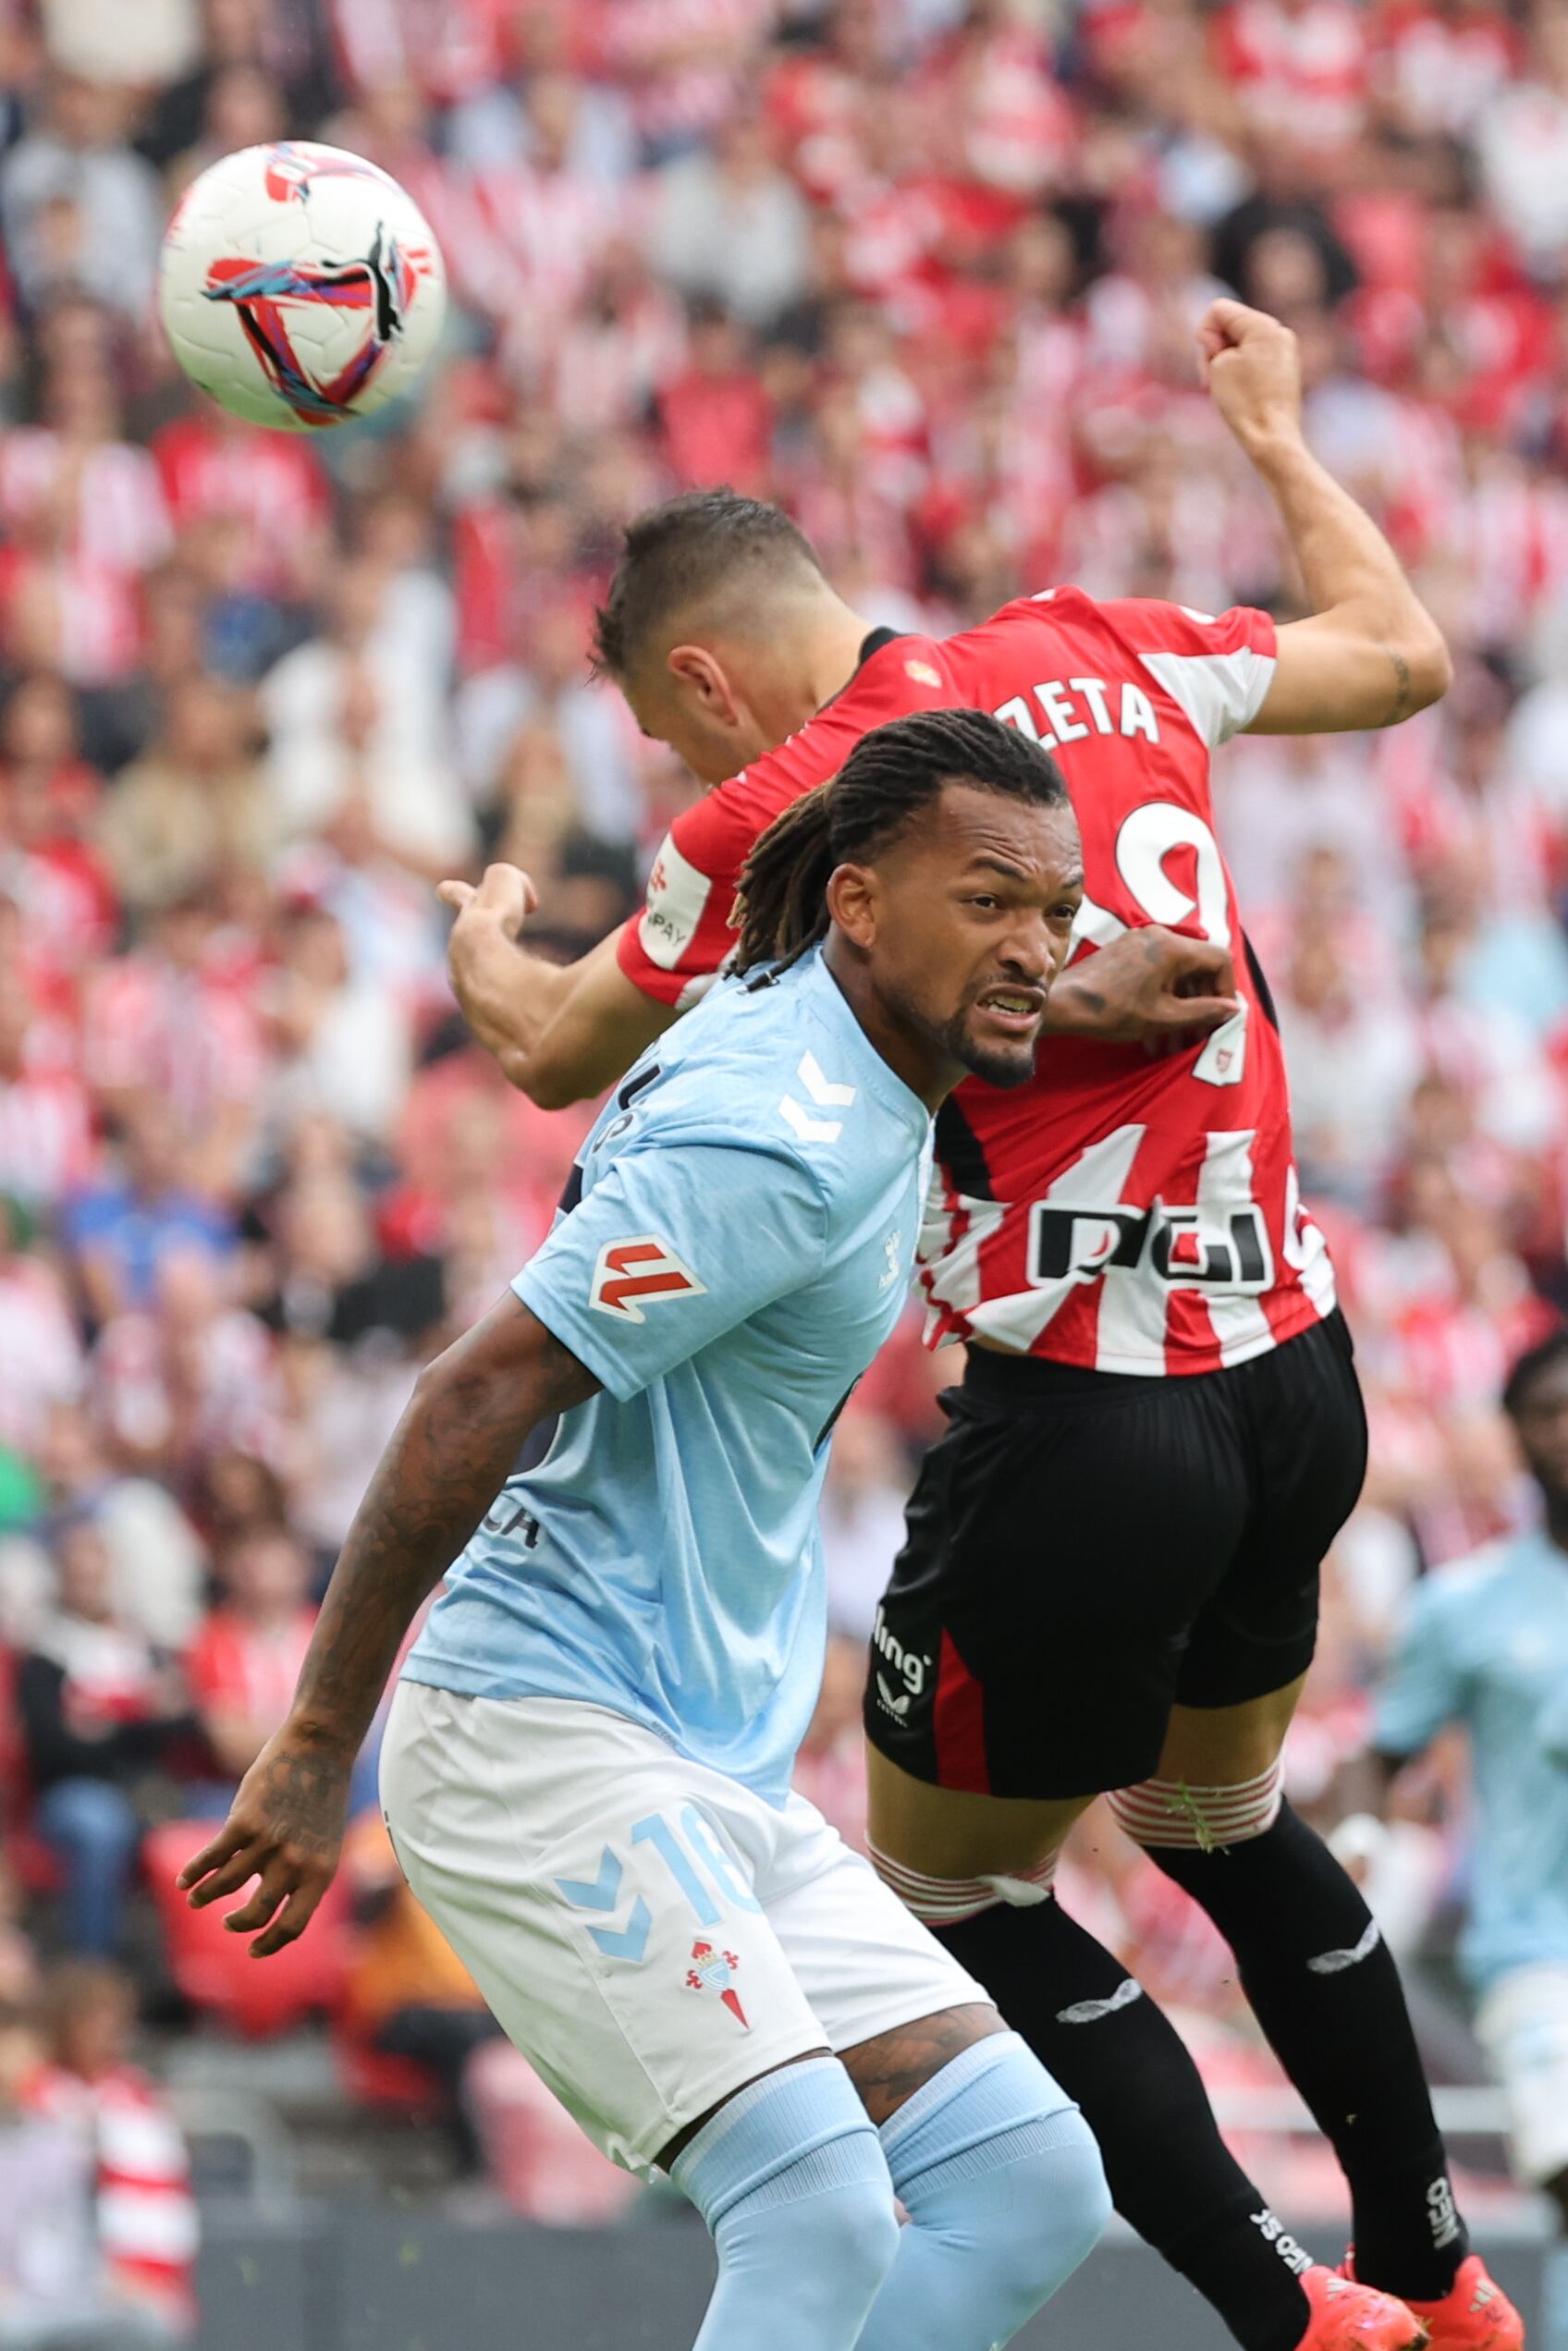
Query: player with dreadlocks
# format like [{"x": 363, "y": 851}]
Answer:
[
  {"x": 587, "y": 1763},
  {"x": 1110, "y": 1582}
]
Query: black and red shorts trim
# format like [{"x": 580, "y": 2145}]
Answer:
[{"x": 1086, "y": 1551}]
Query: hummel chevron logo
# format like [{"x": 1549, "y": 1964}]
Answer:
[
  {"x": 605, "y": 1890},
  {"x": 627, "y": 1942},
  {"x": 632, "y": 1941},
  {"x": 824, "y": 1095},
  {"x": 642, "y": 1271}
]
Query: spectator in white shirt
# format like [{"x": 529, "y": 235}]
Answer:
[
  {"x": 359, "y": 710},
  {"x": 341, "y": 1044},
  {"x": 157, "y": 1556},
  {"x": 77, "y": 157},
  {"x": 1523, "y": 146},
  {"x": 758, "y": 266}
]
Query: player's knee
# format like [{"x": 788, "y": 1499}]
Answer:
[
  {"x": 826, "y": 2251},
  {"x": 1051, "y": 2208},
  {"x": 854, "y": 2237},
  {"x": 988, "y": 2160},
  {"x": 792, "y": 2181},
  {"x": 1075, "y": 2201}
]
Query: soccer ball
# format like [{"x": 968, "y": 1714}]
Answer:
[{"x": 300, "y": 286}]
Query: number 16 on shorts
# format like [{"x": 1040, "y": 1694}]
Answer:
[{"x": 700, "y": 1872}]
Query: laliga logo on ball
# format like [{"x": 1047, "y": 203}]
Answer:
[{"x": 300, "y": 286}]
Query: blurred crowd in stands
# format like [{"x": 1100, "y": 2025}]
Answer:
[{"x": 927, "y": 271}]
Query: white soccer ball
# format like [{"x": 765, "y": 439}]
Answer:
[{"x": 300, "y": 286}]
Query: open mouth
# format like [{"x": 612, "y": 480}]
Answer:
[{"x": 1016, "y": 1010}]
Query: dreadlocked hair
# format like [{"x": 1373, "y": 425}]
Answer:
[{"x": 892, "y": 775}]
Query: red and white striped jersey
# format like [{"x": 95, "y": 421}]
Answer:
[
  {"x": 45, "y": 1134},
  {"x": 178, "y": 1034},
  {"x": 240, "y": 1668},
  {"x": 273, "y": 483},
  {"x": 148, "y": 2226},
  {"x": 450, "y": 52},
  {"x": 118, "y": 517},
  {"x": 1120, "y": 1213},
  {"x": 1301, "y": 70},
  {"x": 684, "y": 62}
]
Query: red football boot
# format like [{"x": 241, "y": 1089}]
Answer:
[
  {"x": 1349, "y": 2317},
  {"x": 1474, "y": 2315}
]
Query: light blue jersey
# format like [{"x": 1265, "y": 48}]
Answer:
[
  {"x": 740, "y": 1249},
  {"x": 1486, "y": 1645}
]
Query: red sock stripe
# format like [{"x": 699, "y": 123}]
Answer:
[
  {"x": 945, "y": 1902},
  {"x": 1166, "y": 1812},
  {"x": 939, "y": 1901}
]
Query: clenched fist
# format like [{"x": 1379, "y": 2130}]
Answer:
[{"x": 1252, "y": 368}]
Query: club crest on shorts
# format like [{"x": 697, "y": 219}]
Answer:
[
  {"x": 714, "y": 1970},
  {"x": 643, "y": 1270}
]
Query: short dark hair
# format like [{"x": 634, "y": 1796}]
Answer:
[
  {"x": 891, "y": 775},
  {"x": 680, "y": 551},
  {"x": 1543, "y": 1356}
]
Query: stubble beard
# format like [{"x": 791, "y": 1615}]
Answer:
[{"x": 1000, "y": 1065}]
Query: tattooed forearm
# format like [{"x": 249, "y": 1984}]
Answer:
[
  {"x": 448, "y": 1458},
  {"x": 1401, "y": 688},
  {"x": 306, "y": 1787},
  {"x": 1147, "y": 986}
]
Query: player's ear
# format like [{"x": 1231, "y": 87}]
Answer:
[
  {"x": 851, "y": 901},
  {"x": 696, "y": 670}
]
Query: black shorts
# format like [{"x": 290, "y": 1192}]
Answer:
[{"x": 1085, "y": 1549}]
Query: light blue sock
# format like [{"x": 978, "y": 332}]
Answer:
[
  {"x": 791, "y": 2180},
  {"x": 1005, "y": 2193}
]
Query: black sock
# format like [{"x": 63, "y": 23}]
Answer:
[
  {"x": 1172, "y": 2175},
  {"x": 1324, "y": 1987}
]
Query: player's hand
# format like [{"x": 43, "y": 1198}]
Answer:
[
  {"x": 481, "y": 953},
  {"x": 1252, "y": 368},
  {"x": 505, "y": 898},
  {"x": 286, "y": 1827},
  {"x": 1151, "y": 987}
]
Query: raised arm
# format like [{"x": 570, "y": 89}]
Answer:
[
  {"x": 449, "y": 1456},
  {"x": 561, "y": 1032},
  {"x": 1370, "y": 653}
]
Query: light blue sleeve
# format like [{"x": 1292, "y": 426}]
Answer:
[
  {"x": 1426, "y": 1686},
  {"x": 675, "y": 1245}
]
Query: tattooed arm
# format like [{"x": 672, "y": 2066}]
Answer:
[
  {"x": 449, "y": 1456},
  {"x": 1150, "y": 987},
  {"x": 1371, "y": 653}
]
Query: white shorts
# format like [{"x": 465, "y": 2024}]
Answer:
[
  {"x": 651, "y": 1934},
  {"x": 1522, "y": 2026}
]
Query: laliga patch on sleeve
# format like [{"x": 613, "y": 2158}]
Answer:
[
  {"x": 677, "y": 895},
  {"x": 642, "y": 1271}
]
